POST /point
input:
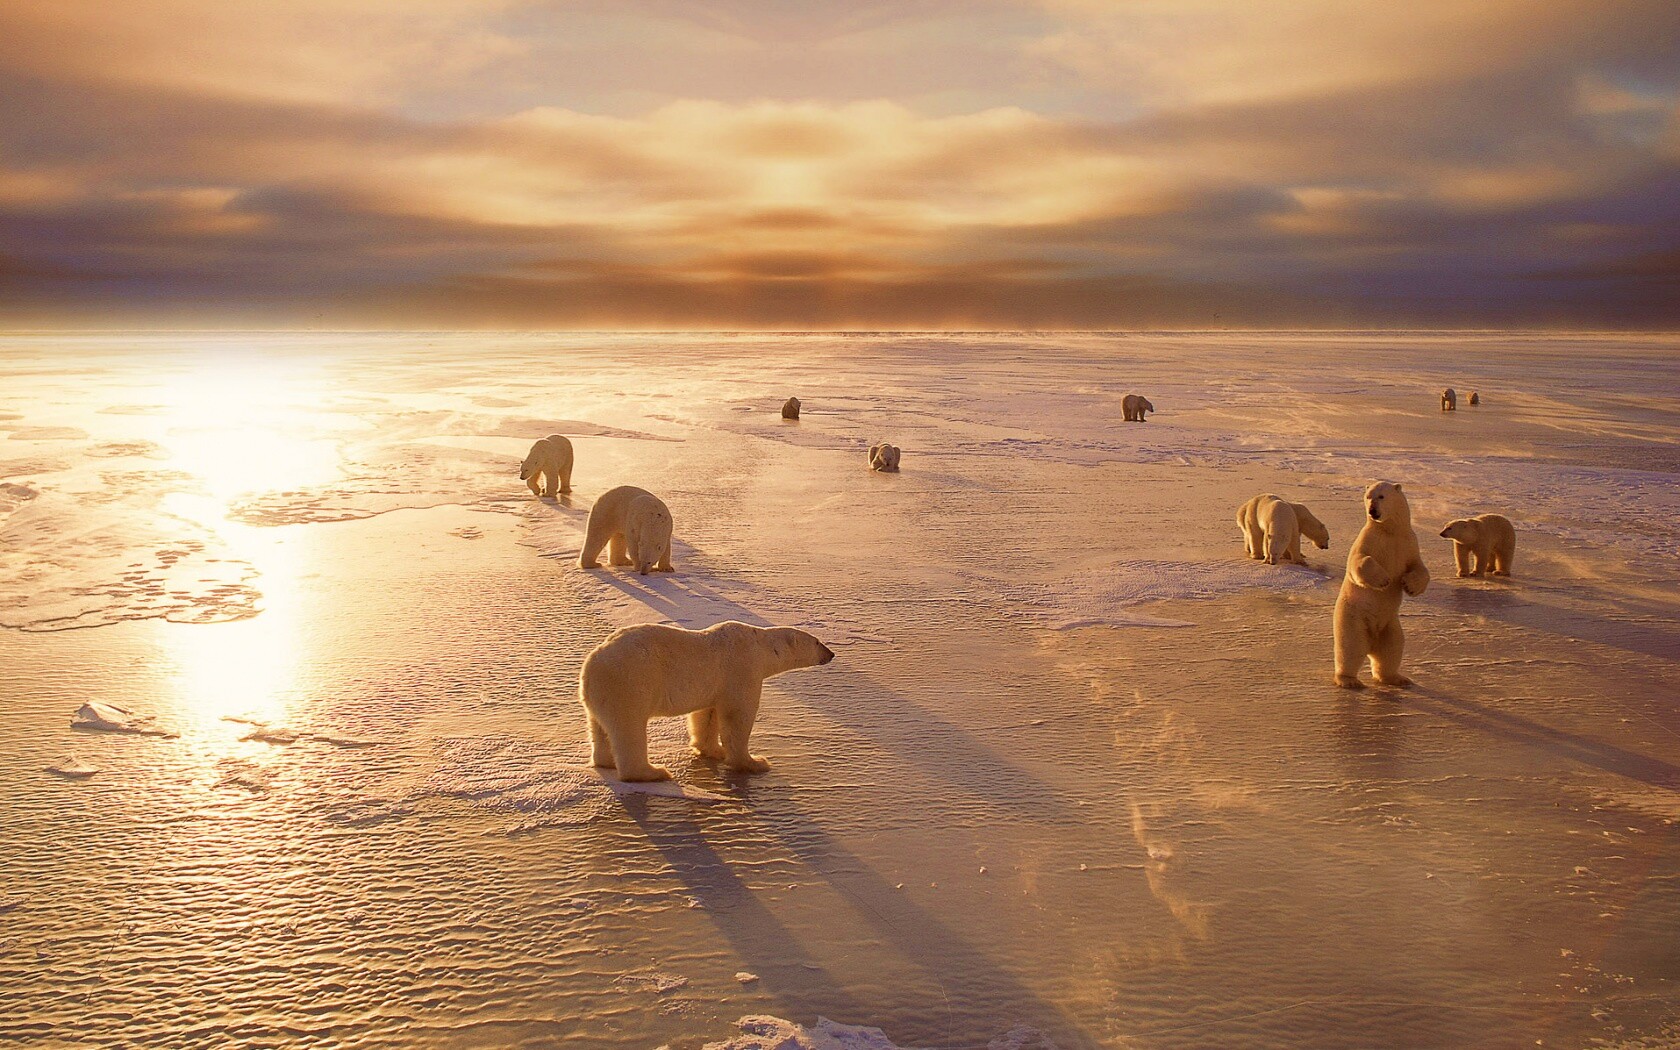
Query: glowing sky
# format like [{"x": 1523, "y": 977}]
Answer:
[{"x": 770, "y": 163}]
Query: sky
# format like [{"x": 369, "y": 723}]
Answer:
[{"x": 777, "y": 164}]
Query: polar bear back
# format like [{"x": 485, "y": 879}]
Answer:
[
  {"x": 553, "y": 452},
  {"x": 659, "y": 670}
]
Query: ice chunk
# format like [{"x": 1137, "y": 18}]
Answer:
[
  {"x": 72, "y": 768},
  {"x": 772, "y": 1033},
  {"x": 114, "y": 719}
]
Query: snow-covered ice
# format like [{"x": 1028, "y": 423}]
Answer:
[{"x": 1077, "y": 777}]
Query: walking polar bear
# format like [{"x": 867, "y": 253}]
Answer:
[
  {"x": 1482, "y": 544},
  {"x": 551, "y": 459},
  {"x": 1272, "y": 529},
  {"x": 884, "y": 457},
  {"x": 636, "y": 524},
  {"x": 715, "y": 677},
  {"x": 1449, "y": 400},
  {"x": 1133, "y": 406},
  {"x": 1383, "y": 563}
]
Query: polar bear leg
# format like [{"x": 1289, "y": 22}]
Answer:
[
  {"x": 1502, "y": 559},
  {"x": 618, "y": 550},
  {"x": 1352, "y": 646},
  {"x": 1386, "y": 649},
  {"x": 665, "y": 562},
  {"x": 735, "y": 725},
  {"x": 1479, "y": 562},
  {"x": 600, "y": 748},
  {"x": 1256, "y": 539},
  {"x": 1275, "y": 548},
  {"x": 595, "y": 537},
  {"x": 1461, "y": 555},
  {"x": 551, "y": 482},
  {"x": 566, "y": 478},
  {"x": 532, "y": 484},
  {"x": 703, "y": 733},
  {"x": 629, "y": 747}
]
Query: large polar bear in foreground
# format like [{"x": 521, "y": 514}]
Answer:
[
  {"x": 1383, "y": 563},
  {"x": 551, "y": 459},
  {"x": 715, "y": 677},
  {"x": 1133, "y": 406},
  {"x": 1272, "y": 529},
  {"x": 636, "y": 523},
  {"x": 1485, "y": 543}
]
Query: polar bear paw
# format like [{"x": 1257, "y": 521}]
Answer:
[
  {"x": 1348, "y": 681},
  {"x": 644, "y": 776},
  {"x": 751, "y": 764}
]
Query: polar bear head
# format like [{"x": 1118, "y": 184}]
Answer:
[
  {"x": 1463, "y": 530},
  {"x": 647, "y": 530},
  {"x": 1386, "y": 504},
  {"x": 786, "y": 648},
  {"x": 1146, "y": 404},
  {"x": 1311, "y": 527}
]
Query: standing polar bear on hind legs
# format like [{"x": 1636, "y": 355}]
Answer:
[
  {"x": 1383, "y": 563},
  {"x": 1272, "y": 529},
  {"x": 637, "y": 526},
  {"x": 715, "y": 677},
  {"x": 551, "y": 460}
]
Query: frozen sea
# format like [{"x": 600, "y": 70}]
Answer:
[{"x": 1077, "y": 778}]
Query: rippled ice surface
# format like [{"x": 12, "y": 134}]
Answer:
[{"x": 1077, "y": 777}]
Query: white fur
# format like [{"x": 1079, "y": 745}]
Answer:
[
  {"x": 635, "y": 523},
  {"x": 549, "y": 459},
  {"x": 1272, "y": 529},
  {"x": 1383, "y": 563},
  {"x": 715, "y": 677}
]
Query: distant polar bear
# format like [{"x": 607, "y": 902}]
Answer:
[
  {"x": 1133, "y": 406},
  {"x": 1383, "y": 563},
  {"x": 715, "y": 677},
  {"x": 550, "y": 458},
  {"x": 790, "y": 408},
  {"x": 1475, "y": 398},
  {"x": 636, "y": 524},
  {"x": 1272, "y": 529},
  {"x": 1449, "y": 400},
  {"x": 1481, "y": 544},
  {"x": 884, "y": 457}
]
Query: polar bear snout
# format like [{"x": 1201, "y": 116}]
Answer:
[{"x": 827, "y": 654}]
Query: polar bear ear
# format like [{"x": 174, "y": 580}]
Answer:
[{"x": 1396, "y": 486}]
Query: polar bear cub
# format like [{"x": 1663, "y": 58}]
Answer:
[
  {"x": 1449, "y": 400},
  {"x": 636, "y": 524},
  {"x": 1272, "y": 529},
  {"x": 715, "y": 677},
  {"x": 550, "y": 459},
  {"x": 1133, "y": 406},
  {"x": 1383, "y": 563},
  {"x": 1482, "y": 544},
  {"x": 884, "y": 457}
]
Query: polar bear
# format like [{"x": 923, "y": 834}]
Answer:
[
  {"x": 790, "y": 408},
  {"x": 550, "y": 458},
  {"x": 1475, "y": 398},
  {"x": 1481, "y": 544},
  {"x": 636, "y": 523},
  {"x": 714, "y": 676},
  {"x": 1383, "y": 563},
  {"x": 1133, "y": 406},
  {"x": 1449, "y": 400},
  {"x": 884, "y": 457},
  {"x": 1272, "y": 529}
]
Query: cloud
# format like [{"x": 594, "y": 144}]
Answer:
[{"x": 1513, "y": 162}]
